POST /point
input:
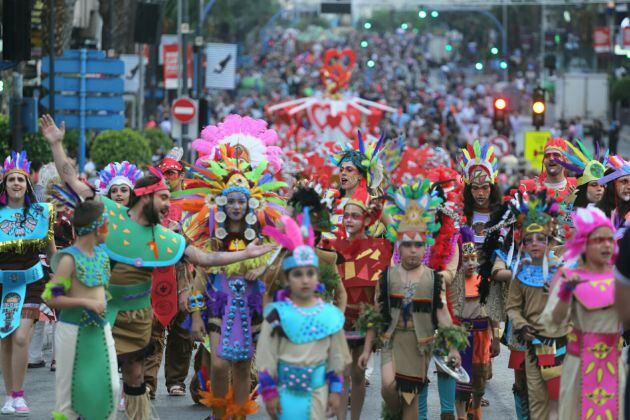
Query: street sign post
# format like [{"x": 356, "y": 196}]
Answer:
[
  {"x": 185, "y": 119},
  {"x": 92, "y": 87}
]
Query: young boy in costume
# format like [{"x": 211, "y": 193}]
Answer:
[
  {"x": 412, "y": 301},
  {"x": 86, "y": 355},
  {"x": 302, "y": 351},
  {"x": 473, "y": 316},
  {"x": 593, "y": 372},
  {"x": 544, "y": 344}
]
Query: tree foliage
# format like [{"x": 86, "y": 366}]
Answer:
[
  {"x": 620, "y": 90},
  {"x": 159, "y": 142},
  {"x": 119, "y": 145},
  {"x": 34, "y": 144}
]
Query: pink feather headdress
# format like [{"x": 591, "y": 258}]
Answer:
[
  {"x": 585, "y": 220},
  {"x": 298, "y": 237},
  {"x": 249, "y": 133}
]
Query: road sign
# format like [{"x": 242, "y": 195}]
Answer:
[
  {"x": 601, "y": 39},
  {"x": 91, "y": 87},
  {"x": 221, "y": 66},
  {"x": 184, "y": 110},
  {"x": 501, "y": 145},
  {"x": 535, "y": 147}
]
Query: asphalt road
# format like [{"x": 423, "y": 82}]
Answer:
[{"x": 40, "y": 394}]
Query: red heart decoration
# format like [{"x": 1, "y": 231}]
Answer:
[{"x": 318, "y": 115}]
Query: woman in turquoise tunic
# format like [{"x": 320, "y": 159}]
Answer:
[{"x": 26, "y": 231}]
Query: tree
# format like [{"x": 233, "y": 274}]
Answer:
[
  {"x": 159, "y": 142},
  {"x": 119, "y": 145}
]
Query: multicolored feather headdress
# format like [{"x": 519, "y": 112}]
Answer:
[
  {"x": 479, "y": 163},
  {"x": 247, "y": 133},
  {"x": 17, "y": 162},
  {"x": 210, "y": 186},
  {"x": 412, "y": 209},
  {"x": 581, "y": 161},
  {"x": 620, "y": 166},
  {"x": 366, "y": 158},
  {"x": 298, "y": 237},
  {"x": 537, "y": 213},
  {"x": 116, "y": 173}
]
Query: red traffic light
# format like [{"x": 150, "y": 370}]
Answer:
[{"x": 500, "y": 104}]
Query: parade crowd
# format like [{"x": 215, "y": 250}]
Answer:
[{"x": 289, "y": 287}]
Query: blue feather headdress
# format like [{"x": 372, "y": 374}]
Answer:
[{"x": 366, "y": 158}]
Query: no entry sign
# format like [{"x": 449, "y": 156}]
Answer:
[{"x": 184, "y": 110}]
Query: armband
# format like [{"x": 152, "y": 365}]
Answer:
[
  {"x": 335, "y": 382},
  {"x": 56, "y": 288},
  {"x": 496, "y": 332},
  {"x": 268, "y": 387},
  {"x": 196, "y": 302}
]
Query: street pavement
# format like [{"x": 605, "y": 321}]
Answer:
[{"x": 40, "y": 394}]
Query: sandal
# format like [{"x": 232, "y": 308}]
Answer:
[
  {"x": 53, "y": 365},
  {"x": 176, "y": 391},
  {"x": 484, "y": 402}
]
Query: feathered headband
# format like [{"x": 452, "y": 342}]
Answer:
[
  {"x": 620, "y": 166},
  {"x": 247, "y": 133},
  {"x": 479, "y": 163},
  {"x": 585, "y": 220},
  {"x": 150, "y": 189},
  {"x": 298, "y": 237},
  {"x": 468, "y": 240},
  {"x": 537, "y": 213},
  {"x": 70, "y": 199},
  {"x": 412, "y": 209},
  {"x": 17, "y": 162},
  {"x": 116, "y": 173},
  {"x": 366, "y": 158},
  {"x": 581, "y": 161}
]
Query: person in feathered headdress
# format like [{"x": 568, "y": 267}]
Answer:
[
  {"x": 360, "y": 260},
  {"x": 233, "y": 202},
  {"x": 584, "y": 296},
  {"x": 530, "y": 274},
  {"x": 358, "y": 169},
  {"x": 412, "y": 302},
  {"x": 589, "y": 169},
  {"x": 472, "y": 314},
  {"x": 117, "y": 180},
  {"x": 616, "y": 201},
  {"x": 302, "y": 351},
  {"x": 26, "y": 231},
  {"x": 552, "y": 179},
  {"x": 480, "y": 168}
]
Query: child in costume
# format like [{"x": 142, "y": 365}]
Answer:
[
  {"x": 473, "y": 316},
  {"x": 537, "y": 346},
  {"x": 302, "y": 351},
  {"x": 593, "y": 372},
  {"x": 86, "y": 355},
  {"x": 412, "y": 301}
]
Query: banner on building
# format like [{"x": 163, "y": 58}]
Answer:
[{"x": 221, "y": 66}]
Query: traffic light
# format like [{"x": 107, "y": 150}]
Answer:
[
  {"x": 499, "y": 118},
  {"x": 538, "y": 108}
]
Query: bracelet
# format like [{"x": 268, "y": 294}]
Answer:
[
  {"x": 268, "y": 387},
  {"x": 196, "y": 302},
  {"x": 496, "y": 332},
  {"x": 335, "y": 382},
  {"x": 56, "y": 288}
]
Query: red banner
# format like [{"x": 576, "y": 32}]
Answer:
[
  {"x": 626, "y": 37},
  {"x": 601, "y": 39}
]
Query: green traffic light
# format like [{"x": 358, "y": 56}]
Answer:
[
  {"x": 370, "y": 63},
  {"x": 435, "y": 14},
  {"x": 494, "y": 50},
  {"x": 422, "y": 14},
  {"x": 364, "y": 44},
  {"x": 503, "y": 65},
  {"x": 404, "y": 26},
  {"x": 479, "y": 65},
  {"x": 448, "y": 47},
  {"x": 556, "y": 39},
  {"x": 367, "y": 25}
]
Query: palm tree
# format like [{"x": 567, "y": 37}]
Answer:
[{"x": 64, "y": 10}]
